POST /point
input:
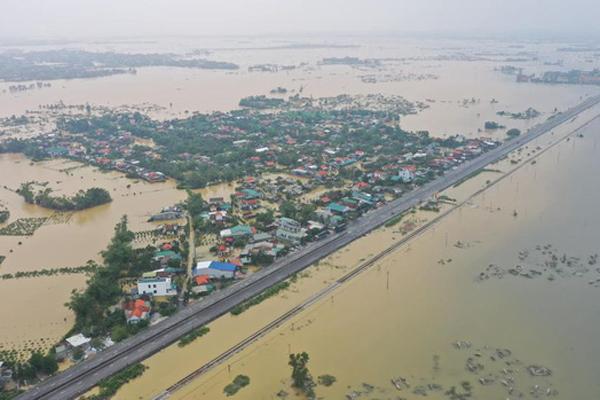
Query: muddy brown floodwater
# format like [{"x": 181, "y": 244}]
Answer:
[
  {"x": 32, "y": 312},
  {"x": 405, "y": 315},
  {"x": 364, "y": 333}
]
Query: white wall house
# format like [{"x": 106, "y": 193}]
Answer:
[
  {"x": 290, "y": 230},
  {"x": 156, "y": 287},
  {"x": 406, "y": 175}
]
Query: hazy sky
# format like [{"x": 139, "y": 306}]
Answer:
[{"x": 95, "y": 18}]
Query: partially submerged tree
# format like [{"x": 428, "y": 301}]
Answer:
[{"x": 301, "y": 377}]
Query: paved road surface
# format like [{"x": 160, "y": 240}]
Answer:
[{"x": 80, "y": 378}]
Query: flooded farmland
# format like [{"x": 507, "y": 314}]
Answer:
[
  {"x": 424, "y": 314},
  {"x": 68, "y": 241}
]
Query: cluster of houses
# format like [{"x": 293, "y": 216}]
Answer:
[{"x": 109, "y": 152}]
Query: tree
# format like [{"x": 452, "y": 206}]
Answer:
[
  {"x": 44, "y": 364},
  {"x": 288, "y": 209},
  {"x": 513, "y": 133},
  {"x": 306, "y": 212},
  {"x": 265, "y": 219},
  {"x": 119, "y": 333},
  {"x": 301, "y": 377},
  {"x": 194, "y": 204}
]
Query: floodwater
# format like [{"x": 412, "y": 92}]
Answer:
[
  {"x": 427, "y": 306},
  {"x": 65, "y": 242},
  {"x": 173, "y": 92},
  {"x": 402, "y": 316}
]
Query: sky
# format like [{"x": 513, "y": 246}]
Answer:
[{"x": 74, "y": 19}]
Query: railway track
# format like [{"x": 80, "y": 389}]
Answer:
[
  {"x": 77, "y": 380},
  {"x": 347, "y": 277}
]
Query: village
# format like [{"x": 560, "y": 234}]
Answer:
[{"x": 293, "y": 178}]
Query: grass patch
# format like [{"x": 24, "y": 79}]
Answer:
[
  {"x": 193, "y": 335},
  {"x": 270, "y": 292}
]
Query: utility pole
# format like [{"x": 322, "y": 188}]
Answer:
[{"x": 388, "y": 280}]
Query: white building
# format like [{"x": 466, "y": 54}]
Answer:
[
  {"x": 78, "y": 342},
  {"x": 156, "y": 287},
  {"x": 290, "y": 230},
  {"x": 406, "y": 175}
]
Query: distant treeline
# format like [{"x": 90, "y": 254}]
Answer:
[{"x": 73, "y": 64}]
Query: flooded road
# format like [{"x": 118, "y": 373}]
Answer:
[{"x": 402, "y": 317}]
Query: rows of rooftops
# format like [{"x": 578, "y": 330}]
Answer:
[{"x": 317, "y": 140}]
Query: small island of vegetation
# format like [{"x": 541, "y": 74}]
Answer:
[
  {"x": 513, "y": 133},
  {"x": 260, "y": 102},
  {"x": 42, "y": 196},
  {"x": 238, "y": 383},
  {"x": 493, "y": 125}
]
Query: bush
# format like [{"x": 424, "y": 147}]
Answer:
[
  {"x": 238, "y": 383},
  {"x": 513, "y": 133},
  {"x": 272, "y": 291},
  {"x": 110, "y": 386},
  {"x": 193, "y": 335},
  {"x": 326, "y": 380}
]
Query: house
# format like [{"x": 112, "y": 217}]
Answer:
[
  {"x": 337, "y": 223},
  {"x": 136, "y": 311},
  {"x": 238, "y": 231},
  {"x": 6, "y": 374},
  {"x": 159, "y": 286},
  {"x": 215, "y": 269},
  {"x": 202, "y": 285},
  {"x": 253, "y": 249},
  {"x": 260, "y": 237},
  {"x": 364, "y": 197},
  {"x": 165, "y": 256},
  {"x": 338, "y": 209},
  {"x": 407, "y": 174},
  {"x": 61, "y": 352},
  {"x": 78, "y": 342},
  {"x": 166, "y": 216},
  {"x": 249, "y": 194},
  {"x": 290, "y": 230}
]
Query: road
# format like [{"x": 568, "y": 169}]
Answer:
[
  {"x": 191, "y": 259},
  {"x": 82, "y": 377},
  {"x": 275, "y": 323}
]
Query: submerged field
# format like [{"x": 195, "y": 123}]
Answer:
[
  {"x": 32, "y": 309},
  {"x": 374, "y": 328},
  {"x": 403, "y": 317}
]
